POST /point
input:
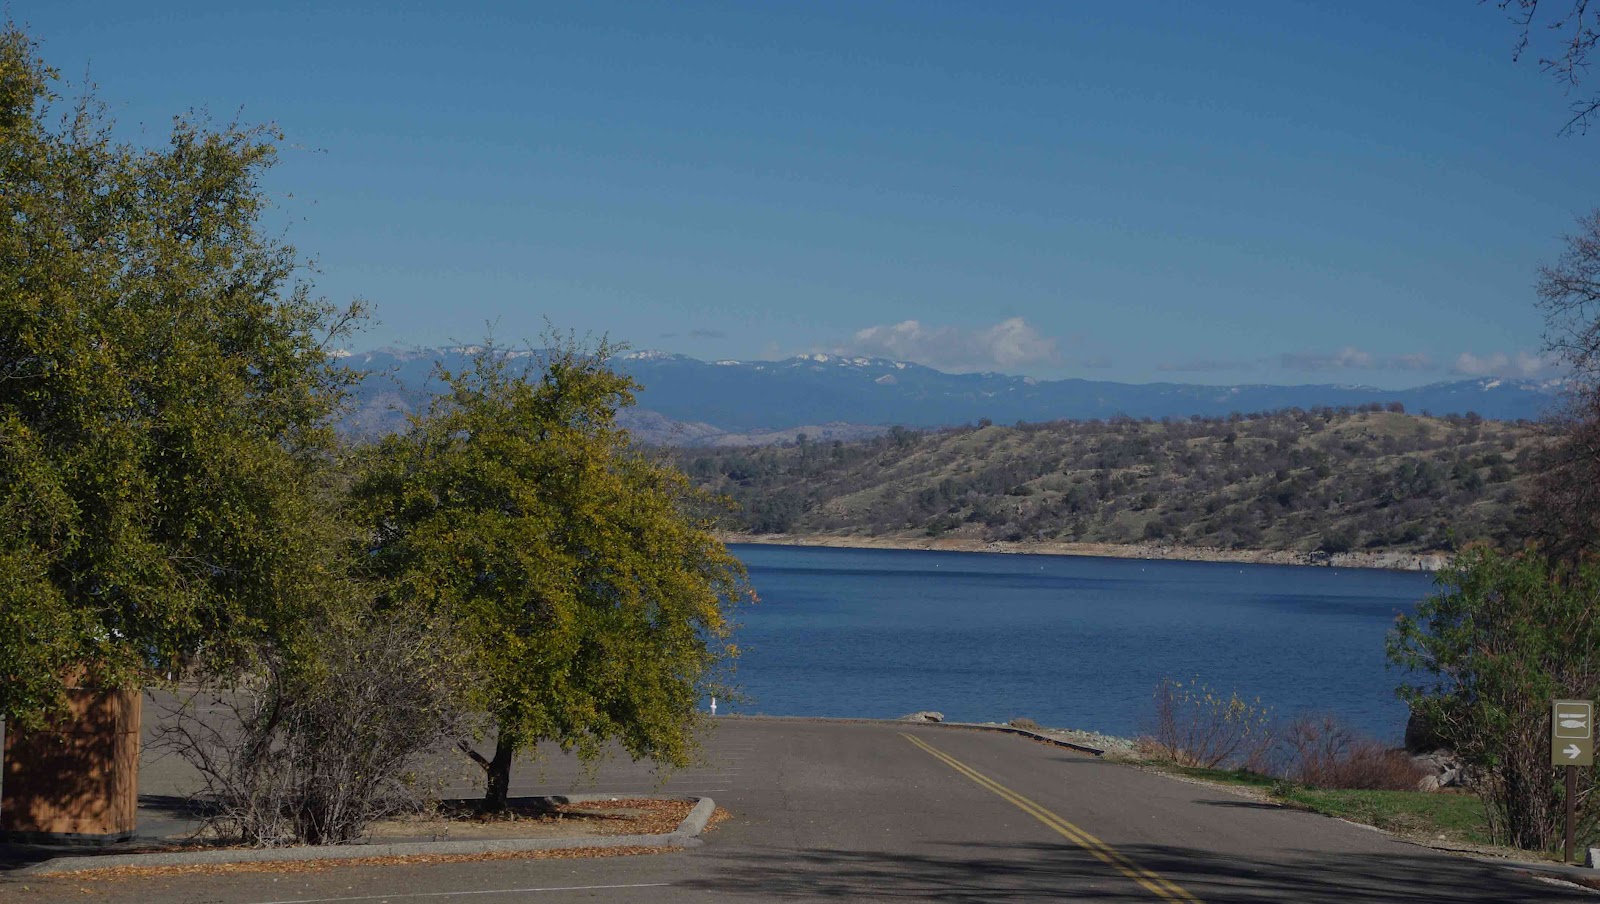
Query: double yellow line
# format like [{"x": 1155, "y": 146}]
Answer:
[{"x": 1152, "y": 882}]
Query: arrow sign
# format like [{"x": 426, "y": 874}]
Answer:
[{"x": 1572, "y": 751}]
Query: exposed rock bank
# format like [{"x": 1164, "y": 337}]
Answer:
[{"x": 1393, "y": 561}]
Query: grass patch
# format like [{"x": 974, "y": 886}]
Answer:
[
  {"x": 1242, "y": 777},
  {"x": 1432, "y": 815},
  {"x": 1437, "y": 816}
]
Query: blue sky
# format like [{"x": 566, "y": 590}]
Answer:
[{"x": 1350, "y": 192}]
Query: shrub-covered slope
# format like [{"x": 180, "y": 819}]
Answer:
[{"x": 1331, "y": 480}]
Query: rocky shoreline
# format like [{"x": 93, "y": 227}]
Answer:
[{"x": 1391, "y": 561}]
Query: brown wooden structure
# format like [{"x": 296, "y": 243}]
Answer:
[{"x": 76, "y": 782}]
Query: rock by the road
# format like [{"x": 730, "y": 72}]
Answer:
[
  {"x": 1441, "y": 769},
  {"x": 923, "y": 716},
  {"x": 1448, "y": 779}
]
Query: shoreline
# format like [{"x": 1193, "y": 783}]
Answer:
[{"x": 1384, "y": 561}]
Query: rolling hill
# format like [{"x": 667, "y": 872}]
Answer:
[{"x": 1320, "y": 481}]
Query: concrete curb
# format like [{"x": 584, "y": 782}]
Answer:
[
  {"x": 685, "y": 835},
  {"x": 1542, "y": 867},
  {"x": 1033, "y": 735}
]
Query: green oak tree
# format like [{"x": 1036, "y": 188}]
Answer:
[
  {"x": 582, "y": 571},
  {"x": 165, "y": 399}
]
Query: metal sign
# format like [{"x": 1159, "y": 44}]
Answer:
[{"x": 1572, "y": 732}]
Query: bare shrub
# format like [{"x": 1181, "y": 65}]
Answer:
[
  {"x": 1324, "y": 753},
  {"x": 312, "y": 750},
  {"x": 1196, "y": 725},
  {"x": 1024, "y": 723}
]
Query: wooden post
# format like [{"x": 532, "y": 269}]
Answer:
[{"x": 1572, "y": 809}]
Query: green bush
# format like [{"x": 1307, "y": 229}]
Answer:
[{"x": 1502, "y": 636}]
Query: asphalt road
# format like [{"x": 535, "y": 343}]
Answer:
[{"x": 828, "y": 811}]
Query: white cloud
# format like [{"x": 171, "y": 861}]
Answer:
[
  {"x": 1347, "y": 358},
  {"x": 1501, "y": 364},
  {"x": 1496, "y": 364},
  {"x": 1352, "y": 358},
  {"x": 1011, "y": 343},
  {"x": 1205, "y": 365},
  {"x": 1413, "y": 361}
]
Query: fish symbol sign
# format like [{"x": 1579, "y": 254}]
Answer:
[{"x": 1572, "y": 732}]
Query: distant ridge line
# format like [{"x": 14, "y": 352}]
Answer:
[{"x": 732, "y": 401}]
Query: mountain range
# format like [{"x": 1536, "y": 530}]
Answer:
[{"x": 686, "y": 401}]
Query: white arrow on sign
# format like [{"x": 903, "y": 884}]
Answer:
[{"x": 1572, "y": 751}]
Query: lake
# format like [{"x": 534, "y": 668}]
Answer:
[{"x": 1072, "y": 642}]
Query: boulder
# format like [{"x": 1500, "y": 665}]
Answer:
[
  {"x": 1420, "y": 738},
  {"x": 923, "y": 716},
  {"x": 1430, "y": 763},
  {"x": 1440, "y": 769}
]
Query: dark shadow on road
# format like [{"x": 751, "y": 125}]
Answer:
[
  {"x": 174, "y": 806},
  {"x": 165, "y": 821},
  {"x": 1030, "y": 872},
  {"x": 16, "y": 856}
]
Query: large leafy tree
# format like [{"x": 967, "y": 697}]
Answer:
[
  {"x": 165, "y": 396},
  {"x": 583, "y": 572}
]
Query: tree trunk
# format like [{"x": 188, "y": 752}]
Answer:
[{"x": 494, "y": 797}]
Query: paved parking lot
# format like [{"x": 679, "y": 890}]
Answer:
[{"x": 834, "y": 811}]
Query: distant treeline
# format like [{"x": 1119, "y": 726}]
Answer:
[{"x": 1326, "y": 479}]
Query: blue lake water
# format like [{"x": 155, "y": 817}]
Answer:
[{"x": 1068, "y": 641}]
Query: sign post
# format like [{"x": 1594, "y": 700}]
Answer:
[{"x": 1571, "y": 745}]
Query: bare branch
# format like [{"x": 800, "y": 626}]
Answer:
[{"x": 1574, "y": 37}]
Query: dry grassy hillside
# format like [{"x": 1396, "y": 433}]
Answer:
[{"x": 1303, "y": 481}]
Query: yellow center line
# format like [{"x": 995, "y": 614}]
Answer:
[{"x": 1151, "y": 881}]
